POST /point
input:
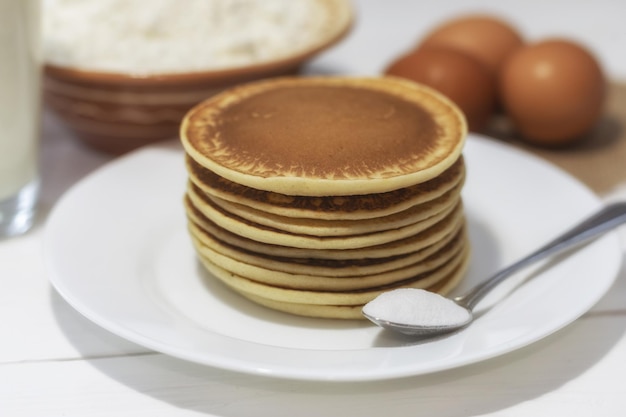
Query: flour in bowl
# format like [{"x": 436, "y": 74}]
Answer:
[{"x": 171, "y": 36}]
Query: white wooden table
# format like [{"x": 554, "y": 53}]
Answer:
[{"x": 54, "y": 362}]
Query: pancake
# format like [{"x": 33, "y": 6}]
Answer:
[
  {"x": 355, "y": 207},
  {"x": 317, "y": 266},
  {"x": 248, "y": 286},
  {"x": 313, "y": 195},
  {"x": 326, "y": 136},
  {"x": 324, "y": 227},
  {"x": 358, "y": 281},
  {"x": 265, "y": 234},
  {"x": 349, "y": 311},
  {"x": 204, "y": 227}
]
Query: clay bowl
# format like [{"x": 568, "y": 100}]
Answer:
[{"x": 116, "y": 112}]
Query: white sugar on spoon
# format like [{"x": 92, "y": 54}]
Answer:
[
  {"x": 416, "y": 307},
  {"x": 426, "y": 314}
]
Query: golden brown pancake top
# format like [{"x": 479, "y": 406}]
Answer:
[
  {"x": 322, "y": 131},
  {"x": 325, "y": 136}
]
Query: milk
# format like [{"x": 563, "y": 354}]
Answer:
[{"x": 19, "y": 101}]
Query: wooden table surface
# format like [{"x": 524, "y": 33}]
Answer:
[{"x": 55, "y": 362}]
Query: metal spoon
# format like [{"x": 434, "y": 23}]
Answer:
[{"x": 597, "y": 224}]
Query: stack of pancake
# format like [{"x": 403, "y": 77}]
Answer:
[{"x": 314, "y": 195}]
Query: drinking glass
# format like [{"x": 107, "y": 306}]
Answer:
[{"x": 20, "y": 78}]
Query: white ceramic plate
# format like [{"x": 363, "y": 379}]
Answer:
[{"x": 117, "y": 249}]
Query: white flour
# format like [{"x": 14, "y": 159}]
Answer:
[
  {"x": 416, "y": 307},
  {"x": 163, "y": 36}
]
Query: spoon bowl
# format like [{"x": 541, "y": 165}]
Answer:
[
  {"x": 420, "y": 331},
  {"x": 393, "y": 314}
]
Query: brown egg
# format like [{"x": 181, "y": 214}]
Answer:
[
  {"x": 459, "y": 77},
  {"x": 553, "y": 91},
  {"x": 488, "y": 39}
]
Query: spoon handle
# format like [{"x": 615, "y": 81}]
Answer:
[{"x": 597, "y": 224}]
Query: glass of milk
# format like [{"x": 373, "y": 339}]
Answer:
[{"x": 20, "y": 70}]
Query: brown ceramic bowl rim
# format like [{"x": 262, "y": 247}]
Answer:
[{"x": 218, "y": 76}]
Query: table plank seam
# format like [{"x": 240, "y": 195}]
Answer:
[
  {"x": 79, "y": 358},
  {"x": 605, "y": 313}
]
